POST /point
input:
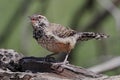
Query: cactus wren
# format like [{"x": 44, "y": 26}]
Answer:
[{"x": 57, "y": 38}]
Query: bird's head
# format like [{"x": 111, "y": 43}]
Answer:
[{"x": 39, "y": 21}]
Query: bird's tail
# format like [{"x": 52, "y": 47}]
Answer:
[{"x": 84, "y": 36}]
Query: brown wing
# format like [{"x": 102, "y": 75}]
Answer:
[{"x": 61, "y": 31}]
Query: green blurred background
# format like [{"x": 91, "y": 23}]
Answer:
[{"x": 81, "y": 15}]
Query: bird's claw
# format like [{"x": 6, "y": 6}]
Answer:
[{"x": 57, "y": 67}]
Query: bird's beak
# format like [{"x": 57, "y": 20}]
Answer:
[{"x": 31, "y": 19}]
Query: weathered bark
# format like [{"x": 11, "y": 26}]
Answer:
[{"x": 14, "y": 67}]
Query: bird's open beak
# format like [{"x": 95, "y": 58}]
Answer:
[{"x": 31, "y": 19}]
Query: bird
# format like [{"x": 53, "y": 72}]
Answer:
[{"x": 56, "y": 38}]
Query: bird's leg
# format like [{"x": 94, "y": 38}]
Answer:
[
  {"x": 65, "y": 60},
  {"x": 57, "y": 66}
]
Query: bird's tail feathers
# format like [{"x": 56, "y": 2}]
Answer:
[{"x": 84, "y": 36}]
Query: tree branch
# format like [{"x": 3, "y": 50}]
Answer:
[
  {"x": 106, "y": 66},
  {"x": 9, "y": 61}
]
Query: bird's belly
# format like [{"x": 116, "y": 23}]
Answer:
[{"x": 54, "y": 46}]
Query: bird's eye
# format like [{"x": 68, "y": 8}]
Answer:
[
  {"x": 33, "y": 19},
  {"x": 39, "y": 17}
]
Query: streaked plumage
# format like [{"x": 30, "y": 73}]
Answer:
[{"x": 57, "y": 38}]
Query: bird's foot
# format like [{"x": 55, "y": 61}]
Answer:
[
  {"x": 58, "y": 66},
  {"x": 61, "y": 63}
]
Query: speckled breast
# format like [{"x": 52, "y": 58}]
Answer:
[{"x": 54, "y": 46}]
